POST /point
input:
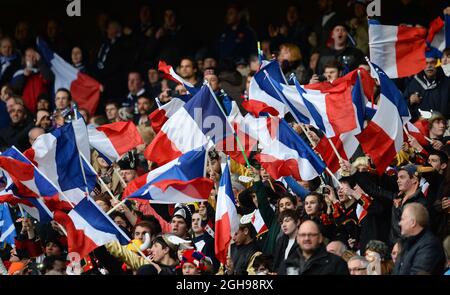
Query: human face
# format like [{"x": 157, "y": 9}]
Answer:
[
  {"x": 144, "y": 106},
  {"x": 6, "y": 48},
  {"x": 120, "y": 221},
  {"x": 158, "y": 252},
  {"x": 430, "y": 68},
  {"x": 144, "y": 14},
  {"x": 30, "y": 57},
  {"x": 371, "y": 256},
  {"x": 285, "y": 54},
  {"x": 395, "y": 252},
  {"x": 179, "y": 226},
  {"x": 112, "y": 112},
  {"x": 438, "y": 128},
  {"x": 209, "y": 62},
  {"x": 312, "y": 206},
  {"x": 240, "y": 237},
  {"x": 102, "y": 204},
  {"x": 77, "y": 55},
  {"x": 435, "y": 162},
  {"x": 140, "y": 231},
  {"x": 339, "y": 35},
  {"x": 128, "y": 175},
  {"x": 292, "y": 14},
  {"x": 406, "y": 223},
  {"x": 285, "y": 203},
  {"x": 309, "y": 237},
  {"x": 331, "y": 74},
  {"x": 288, "y": 226},
  {"x": 213, "y": 81},
  {"x": 62, "y": 100},
  {"x": 169, "y": 18},
  {"x": 134, "y": 83},
  {"x": 43, "y": 104},
  {"x": 232, "y": 17},
  {"x": 52, "y": 249},
  {"x": 17, "y": 114},
  {"x": 59, "y": 266},
  {"x": 445, "y": 59},
  {"x": 153, "y": 76},
  {"x": 356, "y": 268},
  {"x": 404, "y": 182},
  {"x": 189, "y": 269},
  {"x": 264, "y": 175},
  {"x": 197, "y": 223},
  {"x": 35, "y": 133},
  {"x": 187, "y": 70},
  {"x": 341, "y": 195},
  {"x": 45, "y": 121}
]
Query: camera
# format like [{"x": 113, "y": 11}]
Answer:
[{"x": 322, "y": 78}]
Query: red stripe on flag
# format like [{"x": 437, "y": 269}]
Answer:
[
  {"x": 124, "y": 136},
  {"x": 198, "y": 188},
  {"x": 378, "y": 145},
  {"x": 86, "y": 92},
  {"x": 340, "y": 108},
  {"x": 135, "y": 185},
  {"x": 410, "y": 50},
  {"x": 222, "y": 238},
  {"x": 161, "y": 150},
  {"x": 255, "y": 107},
  {"x": 157, "y": 119},
  {"x": 278, "y": 168}
]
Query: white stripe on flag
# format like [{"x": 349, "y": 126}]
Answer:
[{"x": 7, "y": 233}]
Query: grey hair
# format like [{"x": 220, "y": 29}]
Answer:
[{"x": 362, "y": 259}]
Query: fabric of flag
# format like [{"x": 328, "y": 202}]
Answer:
[
  {"x": 169, "y": 73},
  {"x": 439, "y": 33},
  {"x": 417, "y": 129},
  {"x": 286, "y": 154},
  {"x": 200, "y": 122},
  {"x": 258, "y": 223},
  {"x": 7, "y": 228},
  {"x": 57, "y": 157},
  {"x": 182, "y": 180},
  {"x": 88, "y": 228},
  {"x": 160, "y": 116},
  {"x": 383, "y": 136},
  {"x": 84, "y": 89},
  {"x": 227, "y": 220},
  {"x": 115, "y": 139},
  {"x": 398, "y": 50}
]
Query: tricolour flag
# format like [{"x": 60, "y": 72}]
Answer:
[
  {"x": 115, "y": 139},
  {"x": 88, "y": 227},
  {"x": 439, "y": 33},
  {"x": 182, "y": 180},
  {"x": 227, "y": 220},
  {"x": 84, "y": 89},
  {"x": 398, "y": 50},
  {"x": 169, "y": 73},
  {"x": 160, "y": 116},
  {"x": 7, "y": 228}
]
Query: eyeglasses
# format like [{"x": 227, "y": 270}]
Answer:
[
  {"x": 357, "y": 269},
  {"x": 309, "y": 235}
]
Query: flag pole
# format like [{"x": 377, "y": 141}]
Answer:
[
  {"x": 46, "y": 178},
  {"x": 122, "y": 181},
  {"x": 234, "y": 133}
]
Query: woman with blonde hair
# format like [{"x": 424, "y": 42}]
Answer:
[{"x": 291, "y": 61}]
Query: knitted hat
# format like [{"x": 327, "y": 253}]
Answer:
[
  {"x": 183, "y": 211},
  {"x": 194, "y": 257}
]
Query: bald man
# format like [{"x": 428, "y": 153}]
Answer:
[
  {"x": 312, "y": 257},
  {"x": 34, "y": 133},
  {"x": 422, "y": 252},
  {"x": 337, "y": 248}
]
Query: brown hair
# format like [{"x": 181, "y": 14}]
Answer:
[{"x": 296, "y": 54}]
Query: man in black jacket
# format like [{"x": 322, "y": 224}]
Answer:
[
  {"x": 312, "y": 258},
  {"x": 286, "y": 246},
  {"x": 17, "y": 132},
  {"x": 422, "y": 252}
]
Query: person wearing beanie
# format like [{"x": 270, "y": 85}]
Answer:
[
  {"x": 128, "y": 167},
  {"x": 181, "y": 221},
  {"x": 192, "y": 262},
  {"x": 429, "y": 90}
]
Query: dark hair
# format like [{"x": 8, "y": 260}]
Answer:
[
  {"x": 194, "y": 63},
  {"x": 349, "y": 180},
  {"x": 116, "y": 104},
  {"x": 154, "y": 224},
  {"x": 121, "y": 215},
  {"x": 172, "y": 253},
  {"x": 446, "y": 51},
  {"x": 144, "y": 223},
  {"x": 251, "y": 230},
  {"x": 288, "y": 213},
  {"x": 442, "y": 156},
  {"x": 263, "y": 259},
  {"x": 289, "y": 196},
  {"x": 314, "y": 183},
  {"x": 333, "y": 64},
  {"x": 49, "y": 262},
  {"x": 320, "y": 199},
  {"x": 64, "y": 90}
]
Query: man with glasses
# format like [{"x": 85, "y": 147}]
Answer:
[
  {"x": 312, "y": 258},
  {"x": 357, "y": 265}
]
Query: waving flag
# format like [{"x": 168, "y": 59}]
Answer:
[
  {"x": 84, "y": 89},
  {"x": 286, "y": 154},
  {"x": 200, "y": 122},
  {"x": 399, "y": 50},
  {"x": 7, "y": 228},
  {"x": 88, "y": 228},
  {"x": 57, "y": 156},
  {"x": 262, "y": 97},
  {"x": 227, "y": 220},
  {"x": 383, "y": 137},
  {"x": 258, "y": 223},
  {"x": 439, "y": 33},
  {"x": 418, "y": 130},
  {"x": 179, "y": 181},
  {"x": 169, "y": 73},
  {"x": 160, "y": 116},
  {"x": 115, "y": 139}
]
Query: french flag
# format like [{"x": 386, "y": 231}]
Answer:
[
  {"x": 227, "y": 220},
  {"x": 382, "y": 138},
  {"x": 439, "y": 33},
  {"x": 160, "y": 116},
  {"x": 28, "y": 180},
  {"x": 262, "y": 97},
  {"x": 286, "y": 154},
  {"x": 258, "y": 223},
  {"x": 169, "y": 73},
  {"x": 179, "y": 181},
  {"x": 200, "y": 122},
  {"x": 56, "y": 155},
  {"x": 84, "y": 89},
  {"x": 399, "y": 50},
  {"x": 419, "y": 130},
  {"x": 88, "y": 228},
  {"x": 115, "y": 139}
]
